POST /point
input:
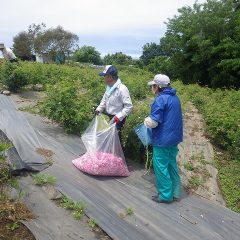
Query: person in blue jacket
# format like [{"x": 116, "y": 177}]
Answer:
[{"x": 165, "y": 120}]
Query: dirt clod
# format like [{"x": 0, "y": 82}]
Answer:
[{"x": 44, "y": 152}]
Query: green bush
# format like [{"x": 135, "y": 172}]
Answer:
[
  {"x": 68, "y": 104},
  {"x": 220, "y": 111},
  {"x": 12, "y": 76}
]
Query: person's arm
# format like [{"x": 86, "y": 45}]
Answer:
[
  {"x": 149, "y": 123},
  {"x": 156, "y": 115},
  {"x": 102, "y": 104},
  {"x": 127, "y": 104}
]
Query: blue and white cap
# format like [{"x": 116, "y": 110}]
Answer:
[{"x": 109, "y": 70}]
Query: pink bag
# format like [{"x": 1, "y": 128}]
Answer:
[{"x": 104, "y": 156}]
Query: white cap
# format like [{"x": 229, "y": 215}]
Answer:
[{"x": 160, "y": 80}]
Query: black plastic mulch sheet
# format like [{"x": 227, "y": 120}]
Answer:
[
  {"x": 15, "y": 128},
  {"x": 192, "y": 218}
]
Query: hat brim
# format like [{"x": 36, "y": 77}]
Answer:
[
  {"x": 151, "y": 83},
  {"x": 102, "y": 74}
]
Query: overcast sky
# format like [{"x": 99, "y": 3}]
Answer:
[{"x": 109, "y": 25}]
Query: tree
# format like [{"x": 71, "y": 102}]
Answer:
[
  {"x": 118, "y": 58},
  {"x": 56, "y": 42},
  {"x": 22, "y": 46},
  {"x": 87, "y": 54},
  {"x": 162, "y": 65},
  {"x": 33, "y": 31},
  {"x": 203, "y": 43},
  {"x": 150, "y": 51}
]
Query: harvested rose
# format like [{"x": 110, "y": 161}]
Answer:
[{"x": 102, "y": 164}]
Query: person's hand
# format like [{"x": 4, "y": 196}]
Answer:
[
  {"x": 97, "y": 112},
  {"x": 116, "y": 120}
]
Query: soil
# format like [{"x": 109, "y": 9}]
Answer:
[
  {"x": 21, "y": 233},
  {"x": 11, "y": 228},
  {"x": 44, "y": 152},
  {"x": 196, "y": 157}
]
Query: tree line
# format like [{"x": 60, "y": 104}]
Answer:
[
  {"x": 201, "y": 45},
  {"x": 60, "y": 44}
]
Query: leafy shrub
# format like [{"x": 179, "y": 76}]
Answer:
[
  {"x": 12, "y": 76},
  {"x": 69, "y": 105},
  {"x": 220, "y": 111},
  {"x": 134, "y": 148}
]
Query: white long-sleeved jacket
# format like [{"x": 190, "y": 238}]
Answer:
[{"x": 119, "y": 103}]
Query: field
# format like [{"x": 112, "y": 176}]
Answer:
[{"x": 73, "y": 92}]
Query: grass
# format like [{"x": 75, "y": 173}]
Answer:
[{"x": 43, "y": 179}]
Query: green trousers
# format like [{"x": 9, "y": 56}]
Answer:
[{"x": 166, "y": 172}]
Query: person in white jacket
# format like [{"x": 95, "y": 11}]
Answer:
[
  {"x": 116, "y": 101},
  {"x": 8, "y": 53}
]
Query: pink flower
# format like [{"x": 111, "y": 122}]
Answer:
[{"x": 102, "y": 164}]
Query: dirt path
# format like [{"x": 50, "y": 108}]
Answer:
[{"x": 196, "y": 158}]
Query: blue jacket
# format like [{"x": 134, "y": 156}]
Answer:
[{"x": 166, "y": 110}]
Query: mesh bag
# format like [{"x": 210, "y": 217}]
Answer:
[{"x": 104, "y": 156}]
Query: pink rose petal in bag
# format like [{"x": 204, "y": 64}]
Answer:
[{"x": 104, "y": 156}]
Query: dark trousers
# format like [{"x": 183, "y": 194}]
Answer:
[{"x": 13, "y": 60}]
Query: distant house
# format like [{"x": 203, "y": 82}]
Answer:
[
  {"x": 44, "y": 58},
  {"x": 47, "y": 58}
]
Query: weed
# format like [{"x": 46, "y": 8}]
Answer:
[
  {"x": 21, "y": 194},
  {"x": 67, "y": 203},
  {"x": 5, "y": 146},
  {"x": 3, "y": 197},
  {"x": 50, "y": 161},
  {"x": 14, "y": 183},
  {"x": 92, "y": 223},
  {"x": 194, "y": 182},
  {"x": 78, "y": 208},
  {"x": 13, "y": 226},
  {"x": 31, "y": 109},
  {"x": 189, "y": 166},
  {"x": 42, "y": 179},
  {"x": 129, "y": 211},
  {"x": 203, "y": 161},
  {"x": 77, "y": 215}
]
